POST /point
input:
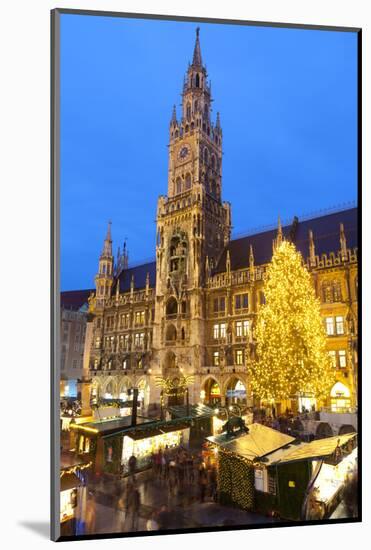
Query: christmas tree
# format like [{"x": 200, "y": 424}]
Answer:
[{"x": 291, "y": 356}]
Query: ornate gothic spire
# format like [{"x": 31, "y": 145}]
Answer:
[
  {"x": 107, "y": 246},
  {"x": 173, "y": 120},
  {"x": 343, "y": 243},
  {"x": 197, "y": 59}
]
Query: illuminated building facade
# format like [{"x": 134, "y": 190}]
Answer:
[{"x": 192, "y": 311}]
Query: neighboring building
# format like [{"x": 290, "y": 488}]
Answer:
[
  {"x": 73, "y": 328},
  {"x": 192, "y": 311}
]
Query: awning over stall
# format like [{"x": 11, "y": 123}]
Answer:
[
  {"x": 321, "y": 448},
  {"x": 259, "y": 442}
]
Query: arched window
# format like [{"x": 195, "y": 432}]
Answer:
[
  {"x": 206, "y": 156},
  {"x": 213, "y": 188},
  {"x": 188, "y": 111},
  {"x": 340, "y": 398},
  {"x": 188, "y": 181},
  {"x": 196, "y": 105},
  {"x": 187, "y": 128},
  {"x": 213, "y": 162},
  {"x": 171, "y": 306},
  {"x": 331, "y": 291},
  {"x": 178, "y": 185},
  {"x": 170, "y": 333},
  {"x": 197, "y": 80}
]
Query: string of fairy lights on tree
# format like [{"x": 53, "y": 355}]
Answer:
[{"x": 291, "y": 342}]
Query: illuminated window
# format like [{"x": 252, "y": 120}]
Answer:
[
  {"x": 126, "y": 342},
  {"x": 332, "y": 355},
  {"x": 216, "y": 358},
  {"x": 239, "y": 357},
  {"x": 330, "y": 329},
  {"x": 246, "y": 327},
  {"x": 139, "y": 318},
  {"x": 239, "y": 328},
  {"x": 222, "y": 304},
  {"x": 222, "y": 330},
  {"x": 96, "y": 362},
  {"x": 112, "y": 342},
  {"x": 339, "y": 325},
  {"x": 137, "y": 339},
  {"x": 97, "y": 342},
  {"x": 337, "y": 292},
  {"x": 342, "y": 358},
  {"x": 216, "y": 332}
]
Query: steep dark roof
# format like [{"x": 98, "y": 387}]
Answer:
[
  {"x": 326, "y": 236},
  {"x": 140, "y": 275},
  {"x": 75, "y": 299}
]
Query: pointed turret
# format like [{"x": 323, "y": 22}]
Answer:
[
  {"x": 343, "y": 243},
  {"x": 107, "y": 246},
  {"x": 228, "y": 263},
  {"x": 147, "y": 283},
  {"x": 312, "y": 250},
  {"x": 279, "y": 232},
  {"x": 251, "y": 263},
  {"x": 197, "y": 59},
  {"x": 173, "y": 121},
  {"x": 104, "y": 277}
]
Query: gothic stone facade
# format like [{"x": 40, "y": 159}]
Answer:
[{"x": 192, "y": 311}]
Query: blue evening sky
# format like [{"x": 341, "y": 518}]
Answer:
[{"x": 288, "y": 108}]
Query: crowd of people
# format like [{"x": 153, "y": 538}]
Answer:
[{"x": 178, "y": 474}]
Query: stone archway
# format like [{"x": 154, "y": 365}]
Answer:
[
  {"x": 109, "y": 389},
  {"x": 235, "y": 391},
  {"x": 212, "y": 393},
  {"x": 340, "y": 398}
]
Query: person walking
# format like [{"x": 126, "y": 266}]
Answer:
[
  {"x": 90, "y": 515},
  {"x": 152, "y": 524},
  {"x": 133, "y": 506},
  {"x": 202, "y": 481}
]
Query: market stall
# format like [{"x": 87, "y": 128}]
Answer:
[
  {"x": 144, "y": 443},
  {"x": 238, "y": 470}
]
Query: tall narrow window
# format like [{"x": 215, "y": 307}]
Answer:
[
  {"x": 342, "y": 358},
  {"x": 332, "y": 355},
  {"x": 216, "y": 358},
  {"x": 216, "y": 332},
  {"x": 339, "y": 325},
  {"x": 239, "y": 357},
  {"x": 330, "y": 326},
  {"x": 246, "y": 328}
]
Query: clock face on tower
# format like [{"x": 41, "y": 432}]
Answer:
[{"x": 184, "y": 152}]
